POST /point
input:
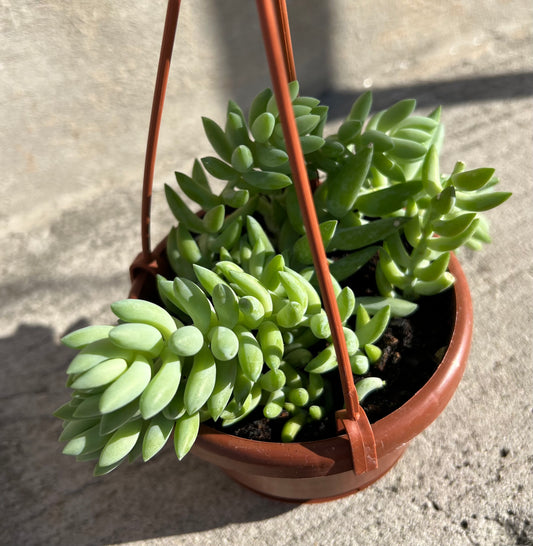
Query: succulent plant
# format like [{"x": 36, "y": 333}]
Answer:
[
  {"x": 246, "y": 339},
  {"x": 242, "y": 324}
]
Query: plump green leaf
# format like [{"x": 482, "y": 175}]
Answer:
[
  {"x": 240, "y": 412},
  {"x": 185, "y": 434},
  {"x": 114, "y": 420},
  {"x": 443, "y": 202},
  {"x": 182, "y": 212},
  {"x": 305, "y": 124},
  {"x": 347, "y": 265},
  {"x": 213, "y": 219},
  {"x": 379, "y": 140},
  {"x": 263, "y": 127},
  {"x": 196, "y": 191},
  {"x": 224, "y": 343},
  {"x": 101, "y": 374},
  {"x": 311, "y": 143},
  {"x": 324, "y": 362},
  {"x": 217, "y": 168},
  {"x": 217, "y": 138},
  {"x": 84, "y": 336},
  {"x": 418, "y": 122},
  {"x": 127, "y": 387},
  {"x": 479, "y": 202},
  {"x": 271, "y": 343},
  {"x": 395, "y": 114},
  {"x": 355, "y": 237},
  {"x": 361, "y": 107},
  {"x": 225, "y": 380},
  {"x": 162, "y": 387},
  {"x": 472, "y": 180},
  {"x": 76, "y": 427},
  {"x": 186, "y": 341},
  {"x": 259, "y": 105},
  {"x": 88, "y": 441},
  {"x": 97, "y": 352},
  {"x": 156, "y": 436},
  {"x": 267, "y": 180},
  {"x": 415, "y": 135},
  {"x": 429, "y": 288},
  {"x": 407, "y": 149},
  {"x": 444, "y": 244},
  {"x": 367, "y": 385},
  {"x": 349, "y": 130},
  {"x": 302, "y": 249},
  {"x": 388, "y": 200},
  {"x": 388, "y": 168},
  {"x": 200, "y": 381},
  {"x": 193, "y": 301},
  {"x": 391, "y": 271},
  {"x": 135, "y": 310},
  {"x": 398, "y": 306},
  {"x": 343, "y": 186},
  {"x": 453, "y": 226},
  {"x": 433, "y": 270},
  {"x": 121, "y": 443},
  {"x": 250, "y": 355},
  {"x": 374, "y": 328},
  {"x": 137, "y": 337},
  {"x": 226, "y": 305}
]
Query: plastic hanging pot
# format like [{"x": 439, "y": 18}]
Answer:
[
  {"x": 325, "y": 469},
  {"x": 322, "y": 470}
]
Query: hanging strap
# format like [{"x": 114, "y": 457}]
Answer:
[
  {"x": 285, "y": 35},
  {"x": 167, "y": 43},
  {"x": 353, "y": 418},
  {"x": 276, "y": 36}
]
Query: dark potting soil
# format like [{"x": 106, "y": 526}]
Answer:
[{"x": 412, "y": 348}]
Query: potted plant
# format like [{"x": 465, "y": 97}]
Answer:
[{"x": 230, "y": 334}]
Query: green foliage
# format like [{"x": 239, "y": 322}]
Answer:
[
  {"x": 242, "y": 324},
  {"x": 172, "y": 375},
  {"x": 380, "y": 187}
]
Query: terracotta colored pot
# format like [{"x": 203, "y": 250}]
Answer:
[{"x": 322, "y": 470}]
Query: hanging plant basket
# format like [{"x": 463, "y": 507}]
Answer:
[
  {"x": 322, "y": 470},
  {"x": 136, "y": 383}
]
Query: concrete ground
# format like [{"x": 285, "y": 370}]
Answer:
[{"x": 466, "y": 480}]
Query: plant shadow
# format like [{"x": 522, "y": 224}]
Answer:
[
  {"x": 50, "y": 498},
  {"x": 434, "y": 93}
]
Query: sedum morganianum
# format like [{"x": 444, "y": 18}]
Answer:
[
  {"x": 235, "y": 338},
  {"x": 242, "y": 325}
]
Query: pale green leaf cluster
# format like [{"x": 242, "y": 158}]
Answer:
[
  {"x": 245, "y": 334},
  {"x": 380, "y": 192}
]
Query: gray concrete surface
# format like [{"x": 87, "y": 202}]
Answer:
[{"x": 76, "y": 83}]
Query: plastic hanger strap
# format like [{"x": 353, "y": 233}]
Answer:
[
  {"x": 354, "y": 419},
  {"x": 362, "y": 442},
  {"x": 167, "y": 43},
  {"x": 285, "y": 34}
]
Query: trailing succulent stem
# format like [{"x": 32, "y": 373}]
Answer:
[
  {"x": 242, "y": 326},
  {"x": 236, "y": 345}
]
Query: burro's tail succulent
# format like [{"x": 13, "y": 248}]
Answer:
[
  {"x": 235, "y": 341},
  {"x": 241, "y": 327}
]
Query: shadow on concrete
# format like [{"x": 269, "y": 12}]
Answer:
[
  {"x": 240, "y": 36},
  {"x": 49, "y": 498},
  {"x": 432, "y": 94}
]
